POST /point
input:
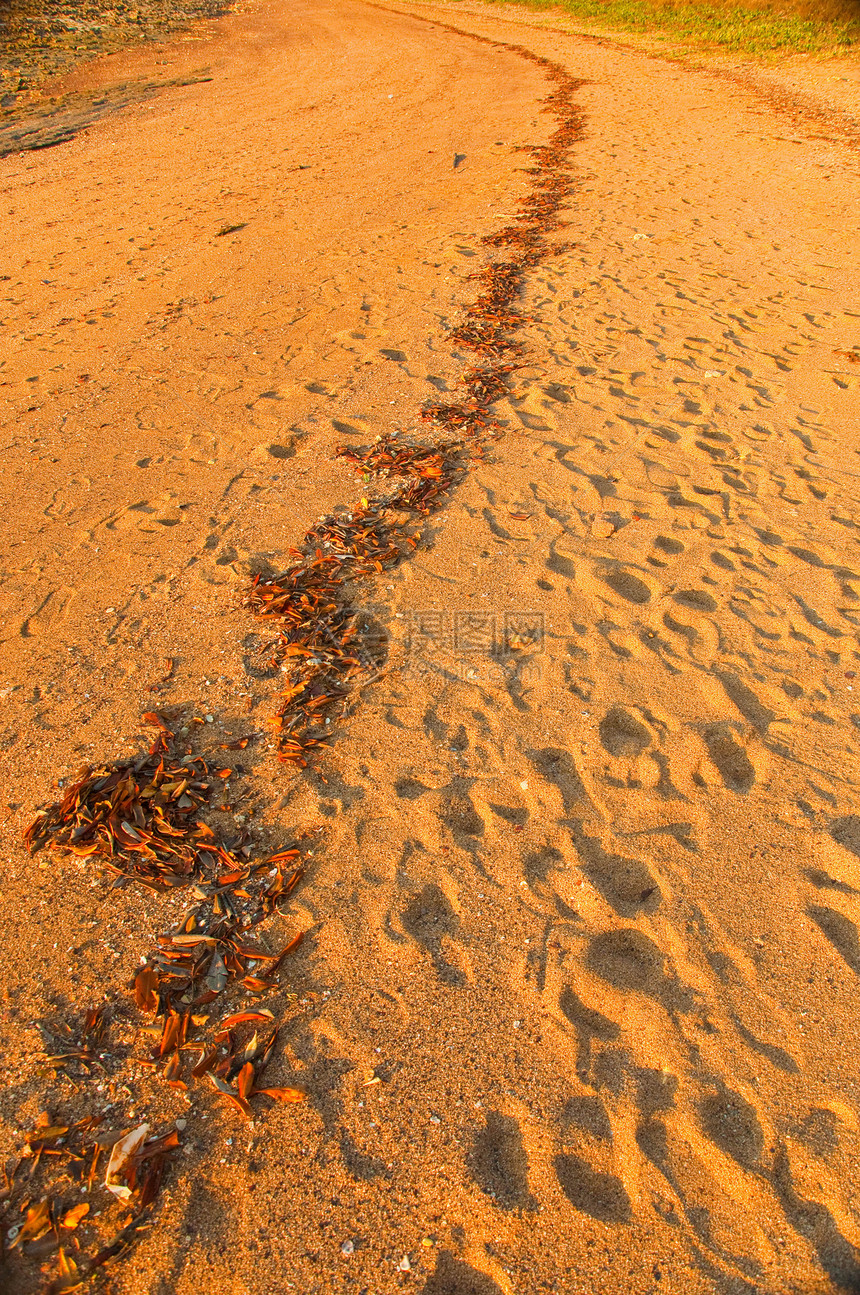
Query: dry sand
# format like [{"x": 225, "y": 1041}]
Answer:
[{"x": 577, "y": 1011}]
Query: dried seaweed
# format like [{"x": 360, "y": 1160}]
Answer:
[
  {"x": 80, "y": 1045},
  {"x": 57, "y": 1180},
  {"x": 138, "y": 816},
  {"x": 141, "y": 818},
  {"x": 319, "y": 645},
  {"x": 388, "y": 457}
]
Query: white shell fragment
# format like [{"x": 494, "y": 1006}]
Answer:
[{"x": 122, "y": 1152}]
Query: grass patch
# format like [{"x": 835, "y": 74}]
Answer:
[{"x": 764, "y": 32}]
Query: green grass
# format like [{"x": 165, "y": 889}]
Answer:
[{"x": 763, "y": 32}]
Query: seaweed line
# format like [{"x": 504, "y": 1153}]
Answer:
[{"x": 140, "y": 817}]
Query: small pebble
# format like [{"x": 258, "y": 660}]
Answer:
[{"x": 347, "y": 1247}]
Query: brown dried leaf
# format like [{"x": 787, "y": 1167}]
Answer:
[
  {"x": 151, "y": 717},
  {"x": 239, "y": 1018},
  {"x": 170, "y": 1034},
  {"x": 282, "y": 1094},
  {"x": 240, "y": 1104},
  {"x": 72, "y": 1217},
  {"x": 70, "y": 1273},
  {"x": 206, "y": 1062},
  {"x": 46, "y": 1133},
  {"x": 239, "y": 744},
  {"x": 36, "y": 1223},
  {"x": 245, "y": 1080},
  {"x": 145, "y": 984},
  {"x": 173, "y": 1069}
]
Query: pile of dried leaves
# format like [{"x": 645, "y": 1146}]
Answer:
[
  {"x": 82, "y": 1194},
  {"x": 194, "y": 966},
  {"x": 322, "y": 641},
  {"x": 140, "y": 818},
  {"x": 317, "y": 646}
]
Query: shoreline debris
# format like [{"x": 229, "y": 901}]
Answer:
[{"x": 139, "y": 817}]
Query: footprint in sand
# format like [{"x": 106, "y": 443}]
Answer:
[
  {"x": 592, "y": 1027},
  {"x": 453, "y": 1276},
  {"x": 626, "y": 585},
  {"x": 498, "y": 1162},
  {"x": 729, "y": 758},
  {"x": 628, "y": 885},
  {"x": 621, "y": 734},
  {"x": 628, "y": 959},
  {"x": 732, "y": 1124},
  {"x": 433, "y": 924},
  {"x": 602, "y": 1196},
  {"x": 840, "y": 931}
]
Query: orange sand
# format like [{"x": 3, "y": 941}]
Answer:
[{"x": 577, "y": 1008}]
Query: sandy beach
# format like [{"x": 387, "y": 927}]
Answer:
[{"x": 575, "y": 1010}]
